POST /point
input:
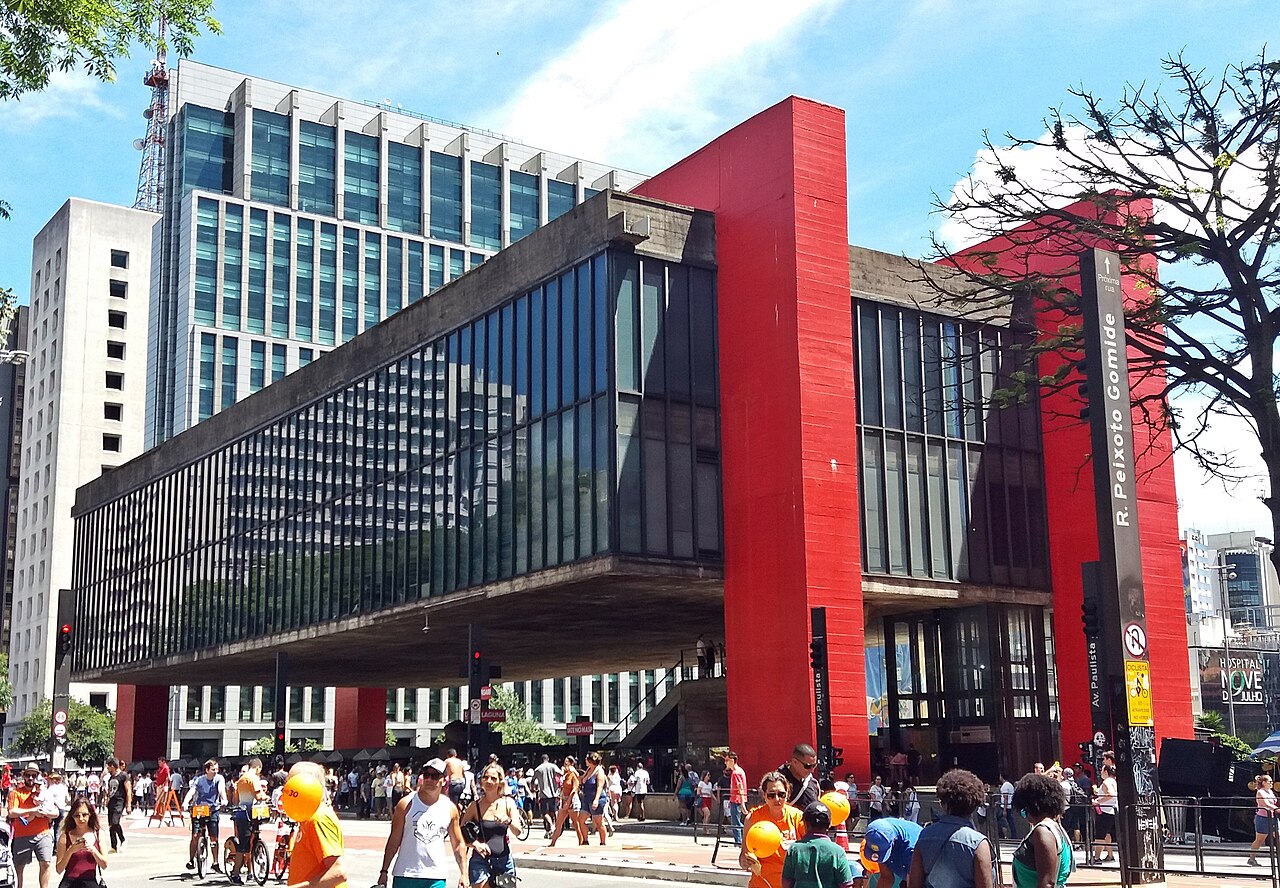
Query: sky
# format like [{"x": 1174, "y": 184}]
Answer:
[{"x": 638, "y": 85}]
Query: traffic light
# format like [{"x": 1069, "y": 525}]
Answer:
[
  {"x": 818, "y": 654},
  {"x": 477, "y": 661},
  {"x": 1082, "y": 388},
  {"x": 1090, "y": 614},
  {"x": 65, "y": 635},
  {"x": 280, "y": 744},
  {"x": 837, "y": 756}
]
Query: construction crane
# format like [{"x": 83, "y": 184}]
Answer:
[{"x": 151, "y": 175}]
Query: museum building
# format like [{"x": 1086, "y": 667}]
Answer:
[{"x": 691, "y": 407}]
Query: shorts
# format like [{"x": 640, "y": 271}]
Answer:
[
  {"x": 244, "y": 829},
  {"x": 1104, "y": 824},
  {"x": 39, "y": 846},
  {"x": 456, "y": 788},
  {"x": 481, "y": 869},
  {"x": 639, "y": 796},
  {"x": 597, "y": 810},
  {"x": 706, "y": 802},
  {"x": 212, "y": 820},
  {"x": 547, "y": 807},
  {"x": 417, "y": 882},
  {"x": 1263, "y": 825}
]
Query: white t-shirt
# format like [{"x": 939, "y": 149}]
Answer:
[
  {"x": 422, "y": 852},
  {"x": 705, "y": 789},
  {"x": 1107, "y": 795},
  {"x": 1006, "y": 795},
  {"x": 876, "y": 791},
  {"x": 641, "y": 785}
]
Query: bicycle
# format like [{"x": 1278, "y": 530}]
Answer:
[
  {"x": 259, "y": 867},
  {"x": 284, "y": 848},
  {"x": 201, "y": 817}
]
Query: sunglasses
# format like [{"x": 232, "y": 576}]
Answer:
[
  {"x": 808, "y": 766},
  {"x": 776, "y": 794}
]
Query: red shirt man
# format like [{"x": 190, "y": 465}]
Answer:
[{"x": 162, "y": 776}]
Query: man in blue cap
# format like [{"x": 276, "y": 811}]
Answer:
[
  {"x": 887, "y": 849},
  {"x": 815, "y": 861}
]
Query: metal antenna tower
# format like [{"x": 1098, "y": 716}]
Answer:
[{"x": 151, "y": 175}]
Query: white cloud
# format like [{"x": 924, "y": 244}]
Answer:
[
  {"x": 651, "y": 74},
  {"x": 69, "y": 94},
  {"x": 1208, "y": 503}
]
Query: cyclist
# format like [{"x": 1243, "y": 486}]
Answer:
[
  {"x": 211, "y": 790},
  {"x": 250, "y": 788}
]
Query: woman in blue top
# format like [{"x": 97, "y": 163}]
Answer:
[
  {"x": 1044, "y": 858},
  {"x": 950, "y": 853}
]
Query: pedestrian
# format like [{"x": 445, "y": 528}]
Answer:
[
  {"x": 163, "y": 773},
  {"x": 57, "y": 798},
  {"x": 456, "y": 773},
  {"x": 546, "y": 784},
  {"x": 419, "y": 826},
  {"x": 614, "y": 790},
  {"x": 706, "y": 798},
  {"x": 94, "y": 788},
  {"x": 80, "y": 854},
  {"x": 736, "y": 795},
  {"x": 1264, "y": 816},
  {"x": 888, "y": 847},
  {"x": 570, "y": 803},
  {"x": 117, "y": 794},
  {"x": 29, "y": 826},
  {"x": 640, "y": 783},
  {"x": 686, "y": 780},
  {"x": 898, "y": 767},
  {"x": 876, "y": 792},
  {"x": 1104, "y": 825},
  {"x": 316, "y": 858},
  {"x": 250, "y": 788},
  {"x": 399, "y": 784},
  {"x": 815, "y": 861},
  {"x": 497, "y": 819},
  {"x": 1005, "y": 827},
  {"x": 704, "y": 659},
  {"x": 950, "y": 845},
  {"x": 775, "y": 789},
  {"x": 593, "y": 797},
  {"x": 913, "y": 763},
  {"x": 799, "y": 773},
  {"x": 1072, "y": 818},
  {"x": 1044, "y": 857},
  {"x": 910, "y": 803}
]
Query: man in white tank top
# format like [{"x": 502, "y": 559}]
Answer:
[{"x": 419, "y": 825}]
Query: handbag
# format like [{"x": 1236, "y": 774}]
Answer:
[{"x": 471, "y": 831}]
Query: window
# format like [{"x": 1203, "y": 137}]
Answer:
[
  {"x": 270, "y": 162},
  {"x": 115, "y": 350},
  {"x": 98, "y": 702},
  {"x": 116, "y": 319},
  {"x": 119, "y": 259},
  {"x": 446, "y": 197},
  {"x": 246, "y": 703},
  {"x": 206, "y": 148},
  {"x": 115, "y": 381},
  {"x": 120, "y": 289},
  {"x": 361, "y": 175},
  {"x": 486, "y": 205},
  {"x": 111, "y": 443},
  {"x": 317, "y": 163},
  {"x": 524, "y": 204},
  {"x": 195, "y": 699},
  {"x": 114, "y": 412},
  {"x": 404, "y": 188}
]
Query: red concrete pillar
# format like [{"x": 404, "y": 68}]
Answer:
[
  {"x": 142, "y": 721},
  {"x": 1072, "y": 522},
  {"x": 777, "y": 185},
  {"x": 359, "y": 718}
]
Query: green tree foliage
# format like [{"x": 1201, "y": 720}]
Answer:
[
  {"x": 91, "y": 733},
  {"x": 519, "y": 727},
  {"x": 1184, "y": 183},
  {"x": 6, "y": 686},
  {"x": 39, "y": 37}
]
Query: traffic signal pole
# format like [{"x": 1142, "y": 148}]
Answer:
[
  {"x": 821, "y": 687},
  {"x": 282, "y": 701},
  {"x": 60, "y": 720}
]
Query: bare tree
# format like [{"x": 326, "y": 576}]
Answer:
[{"x": 1182, "y": 180}]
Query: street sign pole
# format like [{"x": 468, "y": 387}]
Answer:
[
  {"x": 60, "y": 720},
  {"x": 1125, "y": 660},
  {"x": 821, "y": 687},
  {"x": 282, "y": 701}
]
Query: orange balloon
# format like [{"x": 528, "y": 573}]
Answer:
[
  {"x": 301, "y": 797},
  {"x": 838, "y": 805},
  {"x": 764, "y": 839}
]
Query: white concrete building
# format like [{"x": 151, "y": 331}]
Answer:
[{"x": 91, "y": 268}]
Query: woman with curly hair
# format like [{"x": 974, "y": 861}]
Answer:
[
  {"x": 775, "y": 789},
  {"x": 1044, "y": 858},
  {"x": 950, "y": 846}
]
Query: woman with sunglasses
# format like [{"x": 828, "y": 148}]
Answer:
[
  {"x": 80, "y": 847},
  {"x": 570, "y": 803},
  {"x": 775, "y": 789},
  {"x": 499, "y": 819}
]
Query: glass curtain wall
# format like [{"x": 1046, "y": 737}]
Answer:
[
  {"x": 317, "y": 167},
  {"x": 270, "y": 162},
  {"x": 486, "y": 453},
  {"x": 951, "y": 485}
]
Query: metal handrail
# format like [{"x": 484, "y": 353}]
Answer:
[{"x": 677, "y": 669}]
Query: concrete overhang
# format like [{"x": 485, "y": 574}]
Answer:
[{"x": 608, "y": 614}]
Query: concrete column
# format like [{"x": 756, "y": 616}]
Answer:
[
  {"x": 142, "y": 719},
  {"x": 359, "y": 718}
]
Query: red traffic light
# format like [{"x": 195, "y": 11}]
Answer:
[
  {"x": 475, "y": 655},
  {"x": 65, "y": 629}
]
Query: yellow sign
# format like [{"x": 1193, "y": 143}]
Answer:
[{"x": 1137, "y": 691}]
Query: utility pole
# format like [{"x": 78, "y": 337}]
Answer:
[{"x": 1226, "y": 572}]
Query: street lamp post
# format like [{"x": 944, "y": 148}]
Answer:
[{"x": 1227, "y": 572}]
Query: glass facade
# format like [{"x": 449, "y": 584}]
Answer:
[
  {"x": 317, "y": 167},
  {"x": 204, "y": 148},
  {"x": 523, "y": 201},
  {"x": 486, "y": 206},
  {"x": 270, "y": 163},
  {"x": 951, "y": 485},
  {"x": 491, "y": 451},
  {"x": 404, "y": 188},
  {"x": 360, "y": 175},
  {"x": 446, "y": 197},
  {"x": 559, "y": 198}
]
